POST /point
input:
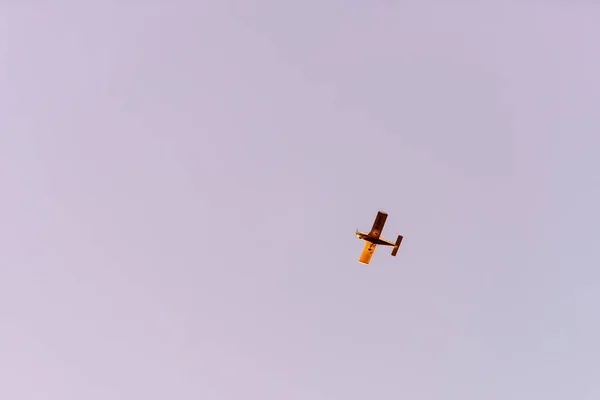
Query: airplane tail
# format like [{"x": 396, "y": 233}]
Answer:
[{"x": 397, "y": 245}]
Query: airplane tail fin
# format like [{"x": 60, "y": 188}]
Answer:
[{"x": 397, "y": 245}]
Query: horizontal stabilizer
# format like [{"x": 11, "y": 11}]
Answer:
[{"x": 397, "y": 245}]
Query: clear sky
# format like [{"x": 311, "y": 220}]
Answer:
[{"x": 181, "y": 182}]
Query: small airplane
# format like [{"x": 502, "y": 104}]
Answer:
[{"x": 373, "y": 238}]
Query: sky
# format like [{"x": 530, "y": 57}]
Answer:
[{"x": 181, "y": 182}]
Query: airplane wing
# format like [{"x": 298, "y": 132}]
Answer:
[
  {"x": 367, "y": 253},
  {"x": 378, "y": 224}
]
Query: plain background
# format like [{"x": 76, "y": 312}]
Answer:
[{"x": 181, "y": 182}]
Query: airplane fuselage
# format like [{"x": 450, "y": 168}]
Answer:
[{"x": 374, "y": 240}]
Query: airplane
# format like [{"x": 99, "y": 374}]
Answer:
[{"x": 373, "y": 238}]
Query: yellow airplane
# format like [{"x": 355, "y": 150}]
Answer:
[{"x": 373, "y": 238}]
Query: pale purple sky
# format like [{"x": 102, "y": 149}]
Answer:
[{"x": 181, "y": 184}]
